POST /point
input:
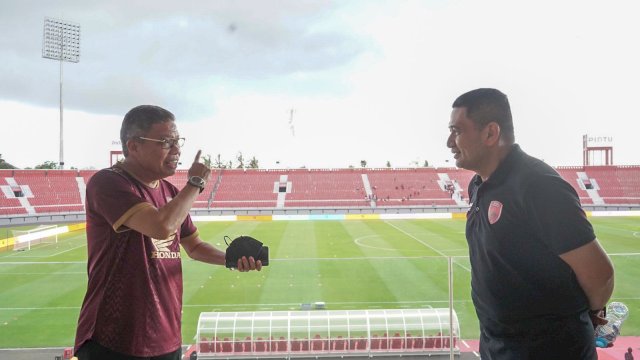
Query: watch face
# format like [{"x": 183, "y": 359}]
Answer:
[{"x": 196, "y": 180}]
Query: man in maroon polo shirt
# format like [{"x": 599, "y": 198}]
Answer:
[{"x": 136, "y": 222}]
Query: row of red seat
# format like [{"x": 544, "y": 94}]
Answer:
[
  {"x": 58, "y": 190},
  {"x": 319, "y": 345},
  {"x": 53, "y": 191}
]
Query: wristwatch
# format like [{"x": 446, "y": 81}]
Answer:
[{"x": 197, "y": 181}]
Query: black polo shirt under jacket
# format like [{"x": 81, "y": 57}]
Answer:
[{"x": 520, "y": 220}]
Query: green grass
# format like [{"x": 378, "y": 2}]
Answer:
[{"x": 369, "y": 264}]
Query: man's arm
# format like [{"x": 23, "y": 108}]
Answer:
[
  {"x": 594, "y": 272},
  {"x": 160, "y": 223},
  {"x": 205, "y": 252}
]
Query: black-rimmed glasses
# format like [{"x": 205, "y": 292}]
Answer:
[{"x": 166, "y": 143}]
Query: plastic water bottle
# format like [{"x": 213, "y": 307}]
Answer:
[{"x": 606, "y": 334}]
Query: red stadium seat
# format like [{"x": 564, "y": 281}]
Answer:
[
  {"x": 260, "y": 345},
  {"x": 227, "y": 345},
  {"x": 204, "y": 345},
  {"x": 318, "y": 344},
  {"x": 296, "y": 345},
  {"x": 339, "y": 344},
  {"x": 397, "y": 342}
]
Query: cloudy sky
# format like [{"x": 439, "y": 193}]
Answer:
[{"x": 320, "y": 83}]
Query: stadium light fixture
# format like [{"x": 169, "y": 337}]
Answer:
[{"x": 61, "y": 41}]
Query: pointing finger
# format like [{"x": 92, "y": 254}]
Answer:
[{"x": 198, "y": 156}]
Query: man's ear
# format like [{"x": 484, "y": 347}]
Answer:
[
  {"x": 132, "y": 146},
  {"x": 492, "y": 133}
]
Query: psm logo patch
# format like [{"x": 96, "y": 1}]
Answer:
[{"x": 495, "y": 210}]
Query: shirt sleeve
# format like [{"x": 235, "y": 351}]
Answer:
[
  {"x": 556, "y": 215},
  {"x": 188, "y": 229},
  {"x": 114, "y": 197}
]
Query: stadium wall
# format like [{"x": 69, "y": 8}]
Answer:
[
  {"x": 257, "y": 214},
  {"x": 8, "y": 242}
]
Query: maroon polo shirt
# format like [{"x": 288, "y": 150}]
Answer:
[{"x": 133, "y": 302}]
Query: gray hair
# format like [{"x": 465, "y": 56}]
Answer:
[{"x": 139, "y": 120}]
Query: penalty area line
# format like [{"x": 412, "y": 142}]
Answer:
[{"x": 425, "y": 244}]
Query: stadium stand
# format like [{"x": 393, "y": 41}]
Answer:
[
  {"x": 629, "y": 178},
  {"x": 203, "y": 201},
  {"x": 34, "y": 192},
  {"x": 240, "y": 188},
  {"x": 461, "y": 176},
  {"x": 86, "y": 175},
  {"x": 616, "y": 185},
  {"x": 46, "y": 191},
  {"x": 322, "y": 188},
  {"x": 575, "y": 176},
  {"x": 407, "y": 187}
]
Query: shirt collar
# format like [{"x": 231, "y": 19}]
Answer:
[
  {"x": 504, "y": 168},
  {"x": 118, "y": 166}
]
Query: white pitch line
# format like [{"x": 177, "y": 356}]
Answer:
[
  {"x": 50, "y": 255},
  {"x": 42, "y": 308},
  {"x": 31, "y": 349},
  {"x": 425, "y": 244},
  {"x": 370, "y": 304},
  {"x": 49, "y": 273},
  {"x": 20, "y": 253},
  {"x": 357, "y": 241},
  {"x": 40, "y": 262},
  {"x": 418, "y": 240},
  {"x": 355, "y": 258},
  {"x": 62, "y": 252}
]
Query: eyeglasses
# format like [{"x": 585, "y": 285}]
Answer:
[{"x": 166, "y": 143}]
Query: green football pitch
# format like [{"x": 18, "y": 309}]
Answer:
[{"x": 353, "y": 264}]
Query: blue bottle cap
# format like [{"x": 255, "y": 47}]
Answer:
[{"x": 601, "y": 342}]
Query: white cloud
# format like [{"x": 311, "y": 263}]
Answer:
[{"x": 368, "y": 80}]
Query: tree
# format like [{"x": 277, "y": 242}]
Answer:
[
  {"x": 240, "y": 159},
  {"x": 47, "y": 165},
  {"x": 207, "y": 161},
  {"x": 253, "y": 163},
  {"x": 5, "y": 165},
  {"x": 426, "y": 163},
  {"x": 219, "y": 164},
  {"x": 363, "y": 163},
  {"x": 388, "y": 163}
]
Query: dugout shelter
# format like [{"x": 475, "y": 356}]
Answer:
[{"x": 317, "y": 333}]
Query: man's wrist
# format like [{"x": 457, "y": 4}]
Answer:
[{"x": 197, "y": 181}]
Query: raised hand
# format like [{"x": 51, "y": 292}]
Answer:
[{"x": 199, "y": 169}]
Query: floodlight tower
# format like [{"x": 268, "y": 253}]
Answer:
[{"x": 61, "y": 41}]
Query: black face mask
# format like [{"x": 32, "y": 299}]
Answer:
[{"x": 245, "y": 246}]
